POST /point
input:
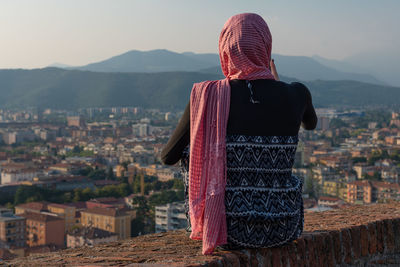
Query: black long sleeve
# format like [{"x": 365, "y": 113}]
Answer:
[
  {"x": 310, "y": 120},
  {"x": 172, "y": 151},
  {"x": 282, "y": 109}
]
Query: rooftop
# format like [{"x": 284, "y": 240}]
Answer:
[
  {"x": 10, "y": 217},
  {"x": 38, "y": 206},
  {"x": 39, "y": 217},
  {"x": 114, "y": 212},
  {"x": 353, "y": 236},
  {"x": 61, "y": 206}
]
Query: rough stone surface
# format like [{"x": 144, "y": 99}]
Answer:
[{"x": 362, "y": 235}]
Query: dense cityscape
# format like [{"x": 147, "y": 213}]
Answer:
[{"x": 71, "y": 179}]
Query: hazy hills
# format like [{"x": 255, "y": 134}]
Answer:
[
  {"x": 69, "y": 89},
  {"x": 300, "y": 67},
  {"x": 153, "y": 61},
  {"x": 60, "y": 88},
  {"x": 308, "y": 69}
]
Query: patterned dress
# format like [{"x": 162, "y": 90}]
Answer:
[{"x": 263, "y": 200}]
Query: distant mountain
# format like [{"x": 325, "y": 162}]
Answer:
[
  {"x": 213, "y": 59},
  {"x": 70, "y": 89},
  {"x": 303, "y": 68},
  {"x": 383, "y": 64},
  {"x": 308, "y": 69},
  {"x": 60, "y": 65},
  {"x": 152, "y": 61},
  {"x": 339, "y": 65}
]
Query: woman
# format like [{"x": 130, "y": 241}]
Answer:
[{"x": 243, "y": 134}]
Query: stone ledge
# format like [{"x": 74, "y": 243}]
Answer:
[{"x": 352, "y": 236}]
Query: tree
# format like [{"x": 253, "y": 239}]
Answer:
[
  {"x": 87, "y": 194},
  {"x": 76, "y": 150},
  {"x": 125, "y": 164},
  {"x": 375, "y": 177},
  {"x": 67, "y": 197},
  {"x": 85, "y": 171},
  {"x": 137, "y": 226},
  {"x": 337, "y": 123},
  {"x": 110, "y": 174},
  {"x": 359, "y": 159},
  {"x": 27, "y": 193},
  {"x": 123, "y": 190},
  {"x": 77, "y": 195},
  {"x": 178, "y": 184}
]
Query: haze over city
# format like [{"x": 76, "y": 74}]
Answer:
[{"x": 38, "y": 33}]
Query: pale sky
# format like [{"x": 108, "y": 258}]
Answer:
[{"x": 37, "y": 33}]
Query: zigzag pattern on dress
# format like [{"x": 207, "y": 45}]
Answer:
[
  {"x": 255, "y": 203},
  {"x": 269, "y": 233},
  {"x": 263, "y": 200},
  {"x": 272, "y": 139}
]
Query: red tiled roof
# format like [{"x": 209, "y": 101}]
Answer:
[
  {"x": 56, "y": 205},
  {"x": 78, "y": 205},
  {"x": 38, "y": 206},
  {"x": 361, "y": 183},
  {"x": 386, "y": 185},
  {"x": 40, "y": 217},
  {"x": 114, "y": 212}
]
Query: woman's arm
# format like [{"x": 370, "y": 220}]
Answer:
[
  {"x": 309, "y": 121},
  {"x": 172, "y": 151}
]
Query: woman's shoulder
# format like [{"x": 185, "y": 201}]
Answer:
[{"x": 299, "y": 87}]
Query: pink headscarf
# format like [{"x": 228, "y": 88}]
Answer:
[{"x": 245, "y": 50}]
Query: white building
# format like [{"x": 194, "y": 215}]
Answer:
[
  {"x": 18, "y": 136},
  {"x": 10, "y": 138},
  {"x": 141, "y": 129},
  {"x": 13, "y": 176},
  {"x": 170, "y": 217}
]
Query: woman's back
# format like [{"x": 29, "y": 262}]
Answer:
[
  {"x": 280, "y": 110},
  {"x": 263, "y": 200}
]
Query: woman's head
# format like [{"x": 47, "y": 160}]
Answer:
[{"x": 245, "y": 45}]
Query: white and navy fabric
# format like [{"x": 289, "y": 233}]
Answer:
[{"x": 263, "y": 200}]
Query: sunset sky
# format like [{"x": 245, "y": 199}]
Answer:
[{"x": 37, "y": 33}]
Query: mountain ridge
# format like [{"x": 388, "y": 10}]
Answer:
[{"x": 162, "y": 60}]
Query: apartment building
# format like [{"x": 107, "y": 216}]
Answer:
[
  {"x": 331, "y": 188},
  {"x": 170, "y": 217},
  {"x": 115, "y": 220},
  {"x": 18, "y": 175},
  {"x": 359, "y": 192},
  {"x": 44, "y": 229},
  {"x": 12, "y": 230},
  {"x": 65, "y": 212},
  {"x": 384, "y": 191}
]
